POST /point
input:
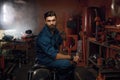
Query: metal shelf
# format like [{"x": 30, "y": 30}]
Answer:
[{"x": 103, "y": 51}]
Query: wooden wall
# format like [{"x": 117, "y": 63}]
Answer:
[
  {"x": 62, "y": 8},
  {"x": 68, "y": 7}
]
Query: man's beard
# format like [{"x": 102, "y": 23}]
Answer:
[{"x": 52, "y": 27}]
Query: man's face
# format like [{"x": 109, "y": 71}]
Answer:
[{"x": 51, "y": 22}]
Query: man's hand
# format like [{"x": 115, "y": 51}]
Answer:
[{"x": 76, "y": 59}]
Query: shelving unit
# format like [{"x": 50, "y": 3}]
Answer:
[
  {"x": 97, "y": 54},
  {"x": 102, "y": 50}
]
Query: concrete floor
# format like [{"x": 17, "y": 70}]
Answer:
[
  {"x": 21, "y": 73},
  {"x": 82, "y": 73}
]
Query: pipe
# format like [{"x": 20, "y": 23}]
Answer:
[{"x": 115, "y": 8}]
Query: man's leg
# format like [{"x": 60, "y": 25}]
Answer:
[{"x": 65, "y": 69}]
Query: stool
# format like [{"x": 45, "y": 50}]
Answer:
[{"x": 47, "y": 73}]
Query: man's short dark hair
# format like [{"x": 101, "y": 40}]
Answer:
[{"x": 49, "y": 13}]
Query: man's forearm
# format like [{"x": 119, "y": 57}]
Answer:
[
  {"x": 62, "y": 56},
  {"x": 68, "y": 57}
]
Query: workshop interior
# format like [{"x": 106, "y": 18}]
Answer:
[{"x": 91, "y": 29}]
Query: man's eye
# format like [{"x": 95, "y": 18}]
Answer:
[
  {"x": 53, "y": 20},
  {"x": 48, "y": 20}
]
